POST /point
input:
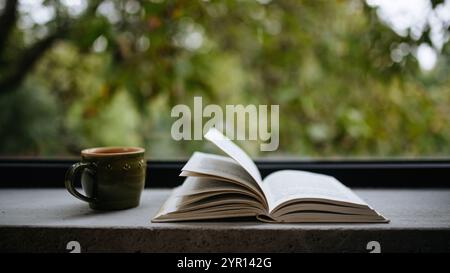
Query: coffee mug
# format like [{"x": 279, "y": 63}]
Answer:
[{"x": 112, "y": 178}]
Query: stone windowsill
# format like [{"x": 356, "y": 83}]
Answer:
[{"x": 46, "y": 219}]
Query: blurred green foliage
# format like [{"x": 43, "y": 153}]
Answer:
[{"x": 114, "y": 71}]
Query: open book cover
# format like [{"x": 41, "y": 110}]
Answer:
[{"x": 229, "y": 187}]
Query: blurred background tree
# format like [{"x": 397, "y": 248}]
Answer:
[{"x": 352, "y": 78}]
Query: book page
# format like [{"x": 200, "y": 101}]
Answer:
[
  {"x": 196, "y": 185},
  {"x": 287, "y": 185},
  {"x": 216, "y": 200},
  {"x": 207, "y": 186},
  {"x": 221, "y": 167},
  {"x": 231, "y": 149}
]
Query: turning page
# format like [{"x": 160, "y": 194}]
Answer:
[
  {"x": 231, "y": 149},
  {"x": 220, "y": 167}
]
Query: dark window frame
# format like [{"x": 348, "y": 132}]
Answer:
[{"x": 49, "y": 173}]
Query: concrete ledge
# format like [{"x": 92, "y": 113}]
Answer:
[{"x": 38, "y": 220}]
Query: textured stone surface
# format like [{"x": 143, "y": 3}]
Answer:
[{"x": 46, "y": 219}]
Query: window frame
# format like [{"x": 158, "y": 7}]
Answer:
[{"x": 411, "y": 173}]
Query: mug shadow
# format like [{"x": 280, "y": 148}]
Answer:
[{"x": 79, "y": 212}]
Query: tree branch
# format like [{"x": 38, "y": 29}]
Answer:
[
  {"x": 26, "y": 63},
  {"x": 29, "y": 57},
  {"x": 7, "y": 22}
]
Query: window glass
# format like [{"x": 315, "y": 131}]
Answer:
[{"x": 349, "y": 78}]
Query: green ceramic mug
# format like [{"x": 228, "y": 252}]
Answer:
[{"x": 112, "y": 177}]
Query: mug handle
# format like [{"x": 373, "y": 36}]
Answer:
[{"x": 74, "y": 175}]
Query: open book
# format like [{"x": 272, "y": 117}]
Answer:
[{"x": 229, "y": 187}]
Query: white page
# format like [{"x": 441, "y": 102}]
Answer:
[
  {"x": 236, "y": 206},
  {"x": 231, "y": 149},
  {"x": 199, "y": 185},
  {"x": 287, "y": 185},
  {"x": 219, "y": 166}
]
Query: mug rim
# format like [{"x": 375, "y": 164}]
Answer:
[{"x": 125, "y": 150}]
